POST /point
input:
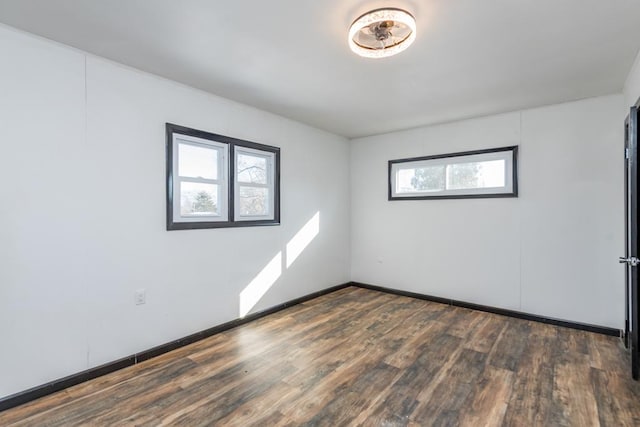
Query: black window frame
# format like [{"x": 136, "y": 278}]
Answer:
[
  {"x": 513, "y": 193},
  {"x": 172, "y": 129}
]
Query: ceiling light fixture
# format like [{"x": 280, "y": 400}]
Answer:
[{"x": 382, "y": 32}]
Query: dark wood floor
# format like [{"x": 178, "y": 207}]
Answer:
[{"x": 360, "y": 357}]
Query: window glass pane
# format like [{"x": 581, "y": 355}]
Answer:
[
  {"x": 253, "y": 201},
  {"x": 198, "y": 199},
  {"x": 197, "y": 162},
  {"x": 251, "y": 169},
  {"x": 423, "y": 179},
  {"x": 487, "y": 174}
]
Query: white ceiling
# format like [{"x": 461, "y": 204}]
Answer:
[{"x": 290, "y": 57}]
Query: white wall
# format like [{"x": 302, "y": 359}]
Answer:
[
  {"x": 552, "y": 251},
  {"x": 632, "y": 85},
  {"x": 83, "y": 213}
]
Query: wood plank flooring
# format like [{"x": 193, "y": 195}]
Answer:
[{"x": 361, "y": 357}]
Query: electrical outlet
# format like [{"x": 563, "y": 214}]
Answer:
[{"x": 140, "y": 296}]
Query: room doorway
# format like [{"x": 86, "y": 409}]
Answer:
[{"x": 632, "y": 256}]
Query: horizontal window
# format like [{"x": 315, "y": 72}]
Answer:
[
  {"x": 471, "y": 174},
  {"x": 217, "y": 181}
]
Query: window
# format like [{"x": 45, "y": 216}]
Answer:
[
  {"x": 253, "y": 184},
  {"x": 471, "y": 174},
  {"x": 200, "y": 192},
  {"x": 201, "y": 179}
]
